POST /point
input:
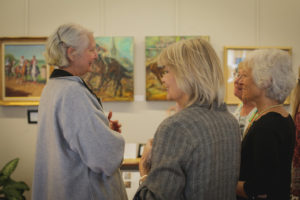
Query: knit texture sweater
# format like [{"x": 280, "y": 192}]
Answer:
[
  {"x": 77, "y": 156},
  {"x": 195, "y": 156}
]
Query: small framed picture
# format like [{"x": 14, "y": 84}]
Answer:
[
  {"x": 140, "y": 150},
  {"x": 32, "y": 116}
]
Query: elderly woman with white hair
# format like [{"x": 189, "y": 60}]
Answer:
[
  {"x": 196, "y": 151},
  {"x": 267, "y": 148},
  {"x": 78, "y": 155}
]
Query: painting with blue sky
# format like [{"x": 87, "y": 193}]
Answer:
[{"x": 23, "y": 70}]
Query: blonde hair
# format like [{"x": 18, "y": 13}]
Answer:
[
  {"x": 65, "y": 36},
  {"x": 295, "y": 97},
  {"x": 197, "y": 70}
]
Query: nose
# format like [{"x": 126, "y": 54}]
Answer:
[
  {"x": 163, "y": 78},
  {"x": 95, "y": 54}
]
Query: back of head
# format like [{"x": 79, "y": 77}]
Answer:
[
  {"x": 65, "y": 36},
  {"x": 197, "y": 70},
  {"x": 272, "y": 70}
]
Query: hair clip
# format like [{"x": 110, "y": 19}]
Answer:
[{"x": 59, "y": 39}]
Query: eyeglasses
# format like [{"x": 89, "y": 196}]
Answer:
[{"x": 237, "y": 75}]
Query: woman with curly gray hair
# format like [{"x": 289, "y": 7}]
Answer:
[{"x": 267, "y": 148}]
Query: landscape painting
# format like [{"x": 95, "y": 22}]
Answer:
[
  {"x": 111, "y": 78},
  {"x": 153, "y": 46},
  {"x": 23, "y": 71}
]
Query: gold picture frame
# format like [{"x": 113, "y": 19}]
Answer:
[
  {"x": 23, "y": 70},
  {"x": 233, "y": 55}
]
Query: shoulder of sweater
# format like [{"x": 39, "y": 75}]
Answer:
[
  {"x": 68, "y": 79},
  {"x": 68, "y": 83},
  {"x": 188, "y": 116}
]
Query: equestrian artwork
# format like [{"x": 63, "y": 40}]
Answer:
[
  {"x": 23, "y": 71},
  {"x": 154, "y": 45},
  {"x": 111, "y": 78}
]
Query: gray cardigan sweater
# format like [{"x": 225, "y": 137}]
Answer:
[
  {"x": 78, "y": 156},
  {"x": 195, "y": 156}
]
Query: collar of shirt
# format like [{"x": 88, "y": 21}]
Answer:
[{"x": 61, "y": 73}]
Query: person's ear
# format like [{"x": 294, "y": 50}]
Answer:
[
  {"x": 71, "y": 53},
  {"x": 267, "y": 83}
]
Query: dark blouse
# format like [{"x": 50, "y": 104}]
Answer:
[{"x": 267, "y": 152}]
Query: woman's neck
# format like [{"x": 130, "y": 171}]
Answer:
[
  {"x": 247, "y": 108},
  {"x": 264, "y": 103},
  {"x": 182, "y": 102},
  {"x": 72, "y": 70}
]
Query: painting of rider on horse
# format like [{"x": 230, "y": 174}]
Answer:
[
  {"x": 154, "y": 45},
  {"x": 111, "y": 78},
  {"x": 25, "y": 70}
]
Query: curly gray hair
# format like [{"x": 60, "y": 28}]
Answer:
[{"x": 272, "y": 70}]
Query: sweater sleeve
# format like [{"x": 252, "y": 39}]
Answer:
[
  {"x": 170, "y": 153},
  {"x": 86, "y": 130}
]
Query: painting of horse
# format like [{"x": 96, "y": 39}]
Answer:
[
  {"x": 111, "y": 78},
  {"x": 24, "y": 70},
  {"x": 153, "y": 46}
]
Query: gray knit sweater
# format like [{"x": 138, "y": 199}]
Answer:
[
  {"x": 195, "y": 156},
  {"x": 78, "y": 155}
]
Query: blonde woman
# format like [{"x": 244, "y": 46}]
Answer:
[{"x": 196, "y": 151}]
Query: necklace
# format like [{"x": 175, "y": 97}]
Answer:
[{"x": 259, "y": 114}]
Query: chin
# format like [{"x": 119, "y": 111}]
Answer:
[{"x": 169, "y": 97}]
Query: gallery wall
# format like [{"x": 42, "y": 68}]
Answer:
[{"x": 227, "y": 23}]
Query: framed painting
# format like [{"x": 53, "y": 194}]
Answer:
[
  {"x": 23, "y": 70},
  {"x": 111, "y": 78},
  {"x": 232, "y": 57},
  {"x": 153, "y": 46}
]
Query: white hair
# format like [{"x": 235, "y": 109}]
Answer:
[
  {"x": 65, "y": 36},
  {"x": 197, "y": 69},
  {"x": 272, "y": 70}
]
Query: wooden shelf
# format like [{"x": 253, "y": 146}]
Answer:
[{"x": 130, "y": 164}]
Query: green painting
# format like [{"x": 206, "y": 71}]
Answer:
[
  {"x": 112, "y": 76},
  {"x": 154, "y": 45}
]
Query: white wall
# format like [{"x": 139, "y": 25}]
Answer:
[{"x": 228, "y": 23}]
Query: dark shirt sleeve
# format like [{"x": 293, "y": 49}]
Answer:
[
  {"x": 265, "y": 165},
  {"x": 170, "y": 153}
]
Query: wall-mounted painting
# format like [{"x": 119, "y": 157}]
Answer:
[
  {"x": 111, "y": 78},
  {"x": 232, "y": 57},
  {"x": 23, "y": 70},
  {"x": 154, "y": 45}
]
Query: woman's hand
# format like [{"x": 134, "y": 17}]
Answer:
[
  {"x": 145, "y": 164},
  {"x": 114, "y": 124}
]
